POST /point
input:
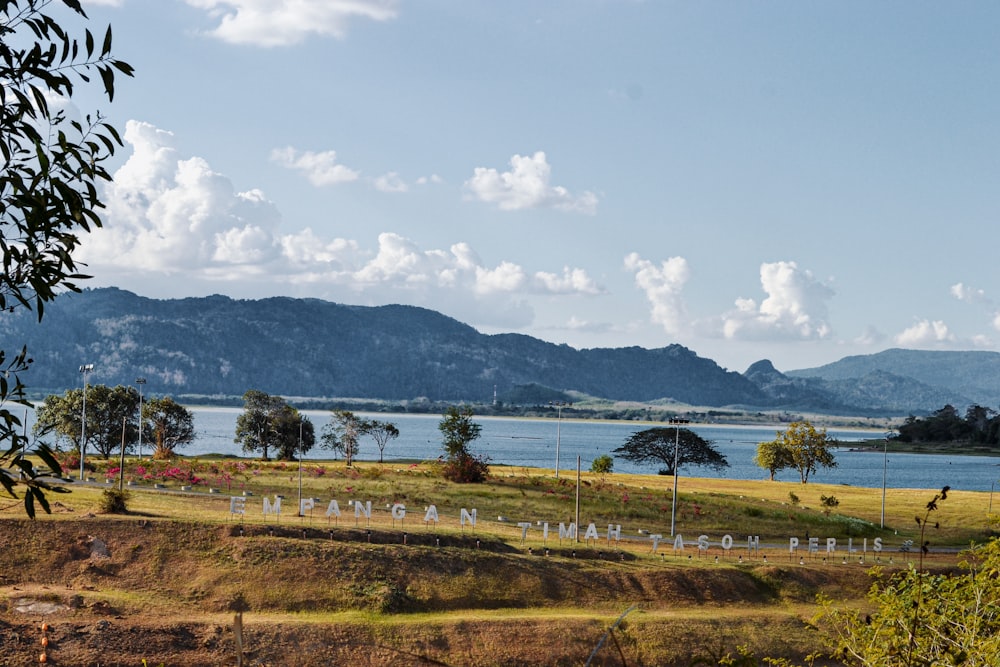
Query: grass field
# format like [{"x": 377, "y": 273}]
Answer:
[{"x": 325, "y": 590}]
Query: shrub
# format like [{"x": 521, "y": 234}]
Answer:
[
  {"x": 466, "y": 469},
  {"x": 602, "y": 465},
  {"x": 114, "y": 501},
  {"x": 828, "y": 503}
]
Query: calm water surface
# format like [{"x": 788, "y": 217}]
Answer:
[{"x": 532, "y": 443}]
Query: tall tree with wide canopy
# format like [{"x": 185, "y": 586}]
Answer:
[
  {"x": 49, "y": 173},
  {"x": 109, "y": 410},
  {"x": 167, "y": 424},
  {"x": 295, "y": 433},
  {"x": 256, "y": 427},
  {"x": 658, "y": 445}
]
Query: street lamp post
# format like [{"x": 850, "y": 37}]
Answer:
[
  {"x": 85, "y": 369},
  {"x": 300, "y": 466},
  {"x": 559, "y": 406},
  {"x": 677, "y": 447},
  {"x": 140, "y": 382},
  {"x": 885, "y": 470}
]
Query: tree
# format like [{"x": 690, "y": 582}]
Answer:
[
  {"x": 294, "y": 432},
  {"x": 799, "y": 447},
  {"x": 657, "y": 445},
  {"x": 256, "y": 427},
  {"x": 167, "y": 424},
  {"x": 48, "y": 193},
  {"x": 381, "y": 433},
  {"x": 602, "y": 465},
  {"x": 772, "y": 457},
  {"x": 343, "y": 433},
  {"x": 109, "y": 411},
  {"x": 458, "y": 430}
]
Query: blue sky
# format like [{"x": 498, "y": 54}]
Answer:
[{"x": 783, "y": 180}]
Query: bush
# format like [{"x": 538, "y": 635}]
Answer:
[
  {"x": 602, "y": 465},
  {"x": 828, "y": 503},
  {"x": 114, "y": 501},
  {"x": 466, "y": 469}
]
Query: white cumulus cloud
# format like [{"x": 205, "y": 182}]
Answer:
[
  {"x": 925, "y": 333},
  {"x": 527, "y": 185},
  {"x": 663, "y": 286},
  {"x": 171, "y": 215},
  {"x": 795, "y": 307},
  {"x": 320, "y": 168},
  {"x": 272, "y": 23}
]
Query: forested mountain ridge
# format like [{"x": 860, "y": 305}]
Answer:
[{"x": 312, "y": 348}]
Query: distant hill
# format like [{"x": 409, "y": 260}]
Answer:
[
  {"x": 959, "y": 378},
  {"x": 218, "y": 346}
]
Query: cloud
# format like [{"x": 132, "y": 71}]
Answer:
[
  {"x": 320, "y": 168},
  {"x": 925, "y": 333},
  {"x": 795, "y": 307},
  {"x": 169, "y": 215},
  {"x": 663, "y": 285},
  {"x": 390, "y": 182},
  {"x": 526, "y": 186},
  {"x": 969, "y": 295},
  {"x": 870, "y": 336},
  {"x": 271, "y": 23}
]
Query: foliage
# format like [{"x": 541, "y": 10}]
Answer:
[
  {"x": 268, "y": 421},
  {"x": 664, "y": 445},
  {"x": 457, "y": 431},
  {"x": 829, "y": 503},
  {"x": 342, "y": 433},
  {"x": 799, "y": 447},
  {"x": 114, "y": 501},
  {"x": 110, "y": 411},
  {"x": 168, "y": 424},
  {"x": 48, "y": 192},
  {"x": 793, "y": 498},
  {"x": 602, "y": 465},
  {"x": 979, "y": 425}
]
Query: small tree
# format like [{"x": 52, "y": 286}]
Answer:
[
  {"x": 657, "y": 445},
  {"x": 167, "y": 424},
  {"x": 343, "y": 434},
  {"x": 602, "y": 465},
  {"x": 458, "y": 430},
  {"x": 773, "y": 457},
  {"x": 381, "y": 433}
]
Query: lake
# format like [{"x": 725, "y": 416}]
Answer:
[{"x": 532, "y": 443}]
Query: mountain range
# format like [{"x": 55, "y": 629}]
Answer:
[{"x": 218, "y": 346}]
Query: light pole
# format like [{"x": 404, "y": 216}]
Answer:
[
  {"x": 677, "y": 447},
  {"x": 300, "y": 465},
  {"x": 140, "y": 382},
  {"x": 85, "y": 369},
  {"x": 885, "y": 470},
  {"x": 559, "y": 406}
]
